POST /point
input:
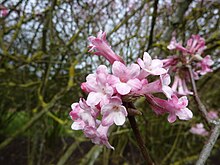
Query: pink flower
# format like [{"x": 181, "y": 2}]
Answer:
[
  {"x": 84, "y": 118},
  {"x": 91, "y": 80},
  {"x": 99, "y": 86},
  {"x": 196, "y": 45},
  {"x": 170, "y": 62},
  {"x": 83, "y": 114},
  {"x": 161, "y": 85},
  {"x": 175, "y": 45},
  {"x": 78, "y": 124},
  {"x": 175, "y": 107},
  {"x": 101, "y": 137},
  {"x": 199, "y": 129},
  {"x": 128, "y": 77},
  {"x": 212, "y": 115},
  {"x": 154, "y": 67},
  {"x": 102, "y": 48},
  {"x": 205, "y": 65},
  {"x": 179, "y": 86},
  {"x": 114, "y": 112}
]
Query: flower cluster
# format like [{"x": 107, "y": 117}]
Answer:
[
  {"x": 191, "y": 54},
  {"x": 108, "y": 92}
]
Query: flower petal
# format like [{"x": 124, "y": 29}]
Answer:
[
  {"x": 135, "y": 84},
  {"x": 147, "y": 59},
  {"x": 172, "y": 117},
  {"x": 184, "y": 114},
  {"x": 167, "y": 91},
  {"x": 140, "y": 63},
  {"x": 123, "y": 88},
  {"x": 119, "y": 118},
  {"x": 108, "y": 119},
  {"x": 94, "y": 98},
  {"x": 157, "y": 71},
  {"x": 78, "y": 125},
  {"x": 119, "y": 69},
  {"x": 134, "y": 71}
]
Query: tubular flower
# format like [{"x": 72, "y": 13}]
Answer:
[
  {"x": 114, "y": 112},
  {"x": 179, "y": 86},
  {"x": 154, "y": 67},
  {"x": 127, "y": 76},
  {"x": 191, "y": 54},
  {"x": 175, "y": 107},
  {"x": 102, "y": 48},
  {"x": 161, "y": 85},
  {"x": 196, "y": 45},
  {"x": 205, "y": 65},
  {"x": 108, "y": 92}
]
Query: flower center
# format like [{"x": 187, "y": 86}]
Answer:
[{"x": 115, "y": 108}]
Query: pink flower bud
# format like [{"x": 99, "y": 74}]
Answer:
[{"x": 102, "y": 48}]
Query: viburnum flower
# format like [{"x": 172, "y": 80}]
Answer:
[
  {"x": 84, "y": 118},
  {"x": 108, "y": 92},
  {"x": 190, "y": 55},
  {"x": 175, "y": 45},
  {"x": 199, "y": 129},
  {"x": 154, "y": 67},
  {"x": 195, "y": 45},
  {"x": 170, "y": 62},
  {"x": 98, "y": 87},
  {"x": 175, "y": 107},
  {"x": 161, "y": 85},
  {"x": 102, "y": 48},
  {"x": 114, "y": 112},
  {"x": 101, "y": 137},
  {"x": 128, "y": 77},
  {"x": 83, "y": 112},
  {"x": 179, "y": 86},
  {"x": 205, "y": 65}
]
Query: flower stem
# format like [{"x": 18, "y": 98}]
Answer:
[
  {"x": 199, "y": 103},
  {"x": 140, "y": 140},
  {"x": 137, "y": 135},
  {"x": 207, "y": 148}
]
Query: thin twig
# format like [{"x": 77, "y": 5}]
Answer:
[
  {"x": 207, "y": 148},
  {"x": 152, "y": 26},
  {"x": 199, "y": 103},
  {"x": 140, "y": 141},
  {"x": 176, "y": 19},
  {"x": 137, "y": 135}
]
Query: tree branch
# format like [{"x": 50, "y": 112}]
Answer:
[
  {"x": 176, "y": 19},
  {"x": 137, "y": 135},
  {"x": 199, "y": 103},
  {"x": 207, "y": 148},
  {"x": 209, "y": 145},
  {"x": 152, "y": 25}
]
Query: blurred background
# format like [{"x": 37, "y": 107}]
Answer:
[{"x": 44, "y": 58}]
